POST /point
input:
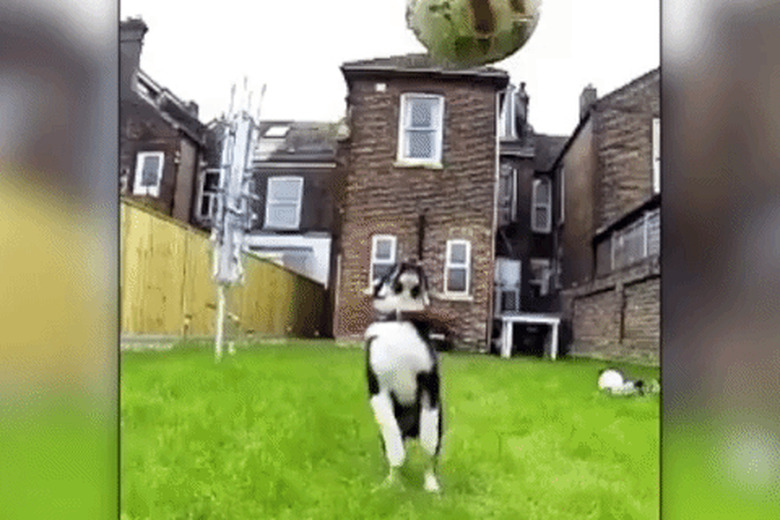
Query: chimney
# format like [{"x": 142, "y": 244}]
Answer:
[
  {"x": 521, "y": 113},
  {"x": 587, "y": 99},
  {"x": 131, "y": 38},
  {"x": 192, "y": 108}
]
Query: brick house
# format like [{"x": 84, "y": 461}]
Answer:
[
  {"x": 526, "y": 307},
  {"x": 294, "y": 180},
  {"x": 161, "y": 138},
  {"x": 608, "y": 231},
  {"x": 421, "y": 173}
]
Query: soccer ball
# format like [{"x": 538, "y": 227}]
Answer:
[{"x": 472, "y": 32}]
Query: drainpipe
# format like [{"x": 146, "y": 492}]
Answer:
[{"x": 494, "y": 234}]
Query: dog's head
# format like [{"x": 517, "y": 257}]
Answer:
[{"x": 403, "y": 289}]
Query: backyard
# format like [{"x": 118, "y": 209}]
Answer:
[{"x": 283, "y": 430}]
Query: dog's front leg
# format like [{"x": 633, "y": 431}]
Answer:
[
  {"x": 430, "y": 426},
  {"x": 391, "y": 432}
]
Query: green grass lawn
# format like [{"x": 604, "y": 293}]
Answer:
[{"x": 284, "y": 431}]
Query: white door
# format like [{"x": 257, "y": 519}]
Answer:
[{"x": 507, "y": 282}]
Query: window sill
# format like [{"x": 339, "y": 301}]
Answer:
[
  {"x": 433, "y": 165},
  {"x": 279, "y": 228},
  {"x": 455, "y": 297}
]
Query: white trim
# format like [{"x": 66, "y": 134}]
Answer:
[
  {"x": 258, "y": 163},
  {"x": 438, "y": 129},
  {"x": 536, "y": 204},
  {"x": 202, "y": 193},
  {"x": 656, "y": 155},
  {"x": 507, "y": 115},
  {"x": 138, "y": 189},
  {"x": 448, "y": 265},
  {"x": 375, "y": 261},
  {"x": 269, "y": 201}
]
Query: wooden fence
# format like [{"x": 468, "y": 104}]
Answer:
[{"x": 166, "y": 287}]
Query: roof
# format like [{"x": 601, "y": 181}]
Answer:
[
  {"x": 570, "y": 139},
  {"x": 647, "y": 75},
  {"x": 422, "y": 65},
  {"x": 296, "y": 141},
  {"x": 546, "y": 150}
]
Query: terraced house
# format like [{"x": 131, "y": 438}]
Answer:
[
  {"x": 420, "y": 183},
  {"x": 608, "y": 232}
]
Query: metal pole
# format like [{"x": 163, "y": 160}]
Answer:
[{"x": 220, "y": 319}]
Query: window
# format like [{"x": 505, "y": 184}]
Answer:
[
  {"x": 636, "y": 241},
  {"x": 541, "y": 219},
  {"x": 507, "y": 283},
  {"x": 562, "y": 202},
  {"x": 420, "y": 129},
  {"x": 457, "y": 267},
  {"x": 382, "y": 255},
  {"x": 208, "y": 197},
  {"x": 540, "y": 276},
  {"x": 277, "y": 131},
  {"x": 283, "y": 202},
  {"x": 656, "y": 155},
  {"x": 654, "y": 232},
  {"x": 507, "y": 199},
  {"x": 148, "y": 173},
  {"x": 506, "y": 117}
]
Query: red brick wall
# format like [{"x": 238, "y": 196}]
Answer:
[
  {"x": 618, "y": 316},
  {"x": 623, "y": 124},
  {"x": 458, "y": 199},
  {"x": 642, "y": 320}
]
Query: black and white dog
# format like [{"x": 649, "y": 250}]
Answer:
[{"x": 402, "y": 369}]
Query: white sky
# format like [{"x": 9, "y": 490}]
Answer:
[{"x": 296, "y": 48}]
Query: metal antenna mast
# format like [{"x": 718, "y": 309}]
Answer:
[{"x": 234, "y": 215}]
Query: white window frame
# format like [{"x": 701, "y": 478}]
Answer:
[
  {"x": 562, "y": 202},
  {"x": 438, "y": 130},
  {"x": 152, "y": 191},
  {"x": 269, "y": 201},
  {"x": 381, "y": 261},
  {"x": 448, "y": 265},
  {"x": 506, "y": 118},
  {"x": 211, "y": 195},
  {"x": 544, "y": 282},
  {"x": 536, "y": 204},
  {"x": 656, "y": 155}
]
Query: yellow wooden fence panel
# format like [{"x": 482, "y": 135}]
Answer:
[{"x": 167, "y": 289}]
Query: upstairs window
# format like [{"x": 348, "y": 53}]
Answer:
[
  {"x": 283, "y": 202},
  {"x": 420, "y": 129},
  {"x": 507, "y": 198},
  {"x": 383, "y": 253},
  {"x": 562, "y": 202},
  {"x": 541, "y": 217},
  {"x": 457, "y": 268},
  {"x": 656, "y": 155},
  {"x": 208, "y": 197},
  {"x": 638, "y": 240},
  {"x": 506, "y": 117},
  {"x": 148, "y": 173}
]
